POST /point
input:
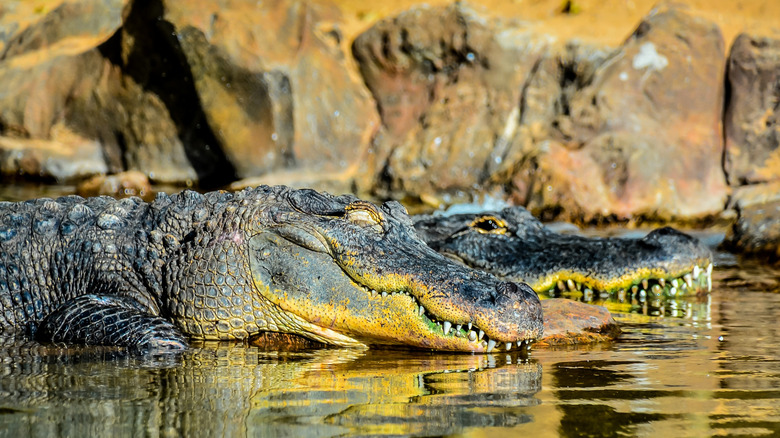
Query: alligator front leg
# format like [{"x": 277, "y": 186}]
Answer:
[{"x": 112, "y": 321}]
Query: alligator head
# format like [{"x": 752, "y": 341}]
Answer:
[
  {"x": 344, "y": 271},
  {"x": 513, "y": 245}
]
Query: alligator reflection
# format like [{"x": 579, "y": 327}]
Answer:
[{"x": 234, "y": 390}]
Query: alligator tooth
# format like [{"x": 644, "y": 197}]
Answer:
[
  {"x": 469, "y": 326},
  {"x": 656, "y": 289},
  {"x": 587, "y": 295},
  {"x": 570, "y": 285},
  {"x": 508, "y": 346},
  {"x": 561, "y": 286},
  {"x": 520, "y": 343},
  {"x": 491, "y": 345},
  {"x": 645, "y": 284},
  {"x": 447, "y": 327},
  {"x": 696, "y": 272},
  {"x": 373, "y": 292},
  {"x": 481, "y": 334},
  {"x": 457, "y": 329},
  {"x": 422, "y": 310},
  {"x": 675, "y": 283},
  {"x": 709, "y": 278},
  {"x": 662, "y": 282},
  {"x": 472, "y": 335},
  {"x": 688, "y": 280},
  {"x": 384, "y": 294},
  {"x": 634, "y": 289}
]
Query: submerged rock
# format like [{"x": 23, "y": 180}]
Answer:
[{"x": 572, "y": 322}]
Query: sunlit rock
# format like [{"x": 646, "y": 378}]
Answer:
[
  {"x": 643, "y": 135},
  {"x": 752, "y": 120}
]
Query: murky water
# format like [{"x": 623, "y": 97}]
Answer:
[{"x": 712, "y": 371}]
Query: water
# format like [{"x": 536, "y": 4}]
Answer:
[{"x": 713, "y": 371}]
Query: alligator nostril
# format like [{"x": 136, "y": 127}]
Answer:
[{"x": 507, "y": 288}]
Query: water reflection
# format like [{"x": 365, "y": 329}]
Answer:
[{"x": 235, "y": 390}]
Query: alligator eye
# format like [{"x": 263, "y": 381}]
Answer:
[
  {"x": 489, "y": 225},
  {"x": 364, "y": 214}
]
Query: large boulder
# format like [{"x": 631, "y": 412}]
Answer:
[
  {"x": 643, "y": 135},
  {"x": 752, "y": 121},
  {"x": 448, "y": 84},
  {"x": 276, "y": 87}
]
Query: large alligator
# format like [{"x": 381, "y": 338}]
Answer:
[
  {"x": 338, "y": 270},
  {"x": 515, "y": 246}
]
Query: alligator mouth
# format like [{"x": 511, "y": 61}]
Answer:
[
  {"x": 469, "y": 334},
  {"x": 641, "y": 286}
]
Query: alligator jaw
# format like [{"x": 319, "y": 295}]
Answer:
[
  {"x": 641, "y": 285},
  {"x": 322, "y": 302}
]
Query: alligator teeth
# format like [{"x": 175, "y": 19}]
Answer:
[
  {"x": 696, "y": 272},
  {"x": 457, "y": 329},
  {"x": 662, "y": 282},
  {"x": 645, "y": 284},
  {"x": 675, "y": 283},
  {"x": 709, "y": 278},
  {"x": 384, "y": 294},
  {"x": 561, "y": 286},
  {"x": 447, "y": 327},
  {"x": 508, "y": 346},
  {"x": 469, "y": 326},
  {"x": 481, "y": 334},
  {"x": 491, "y": 344},
  {"x": 688, "y": 280},
  {"x": 673, "y": 291},
  {"x": 472, "y": 335},
  {"x": 422, "y": 310},
  {"x": 570, "y": 285},
  {"x": 373, "y": 292}
]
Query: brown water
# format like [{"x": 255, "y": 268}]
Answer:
[{"x": 715, "y": 370}]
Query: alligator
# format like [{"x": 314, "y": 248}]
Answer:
[
  {"x": 152, "y": 276},
  {"x": 515, "y": 246}
]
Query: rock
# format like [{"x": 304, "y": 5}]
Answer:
[
  {"x": 752, "y": 119},
  {"x": 572, "y": 322},
  {"x": 448, "y": 84},
  {"x": 642, "y": 136},
  {"x": 278, "y": 96},
  {"x": 46, "y": 65},
  {"x": 756, "y": 231},
  {"x": 123, "y": 184},
  {"x": 69, "y": 69},
  {"x": 67, "y": 157}
]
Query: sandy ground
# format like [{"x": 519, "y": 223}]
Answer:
[{"x": 606, "y": 22}]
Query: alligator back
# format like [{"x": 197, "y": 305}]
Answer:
[{"x": 54, "y": 250}]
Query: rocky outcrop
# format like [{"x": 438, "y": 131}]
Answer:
[
  {"x": 184, "y": 92},
  {"x": 432, "y": 102}
]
